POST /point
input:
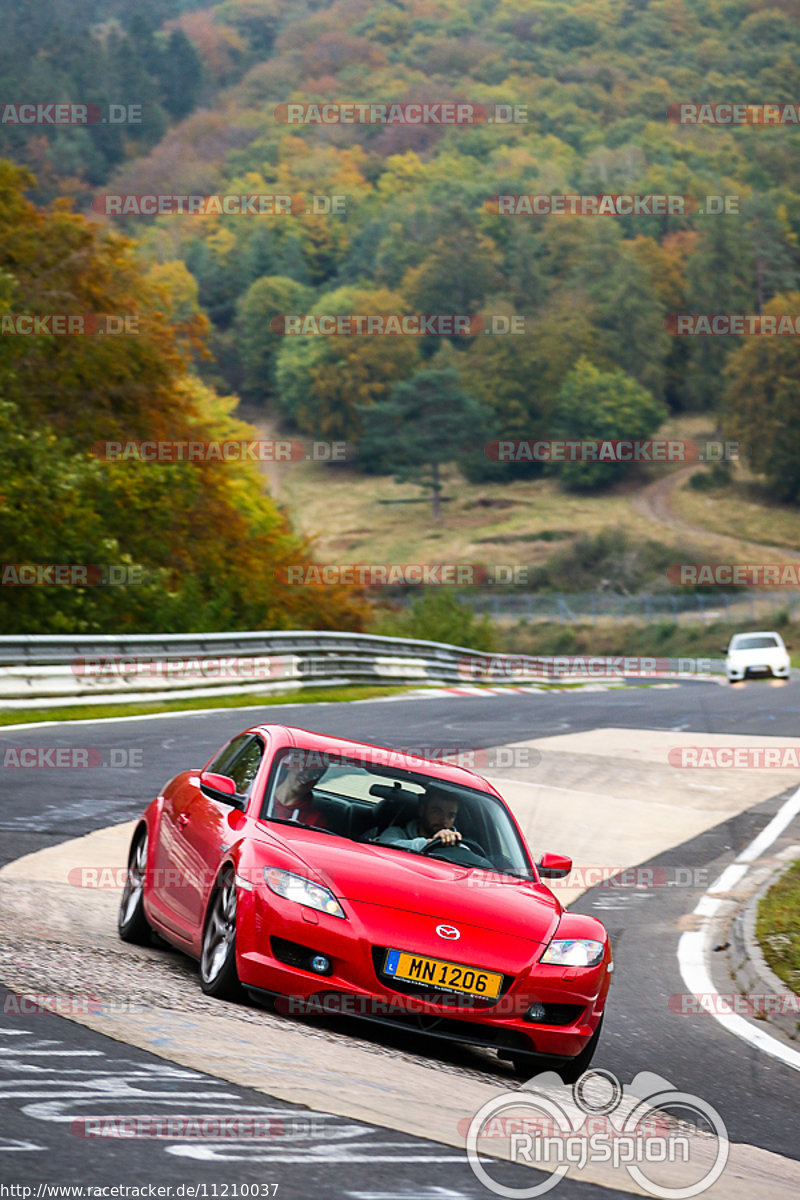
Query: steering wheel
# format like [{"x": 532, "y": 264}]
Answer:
[{"x": 466, "y": 842}]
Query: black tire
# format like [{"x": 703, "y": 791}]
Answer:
[
  {"x": 132, "y": 924},
  {"x": 218, "y": 975},
  {"x": 525, "y": 1065},
  {"x": 572, "y": 1070}
]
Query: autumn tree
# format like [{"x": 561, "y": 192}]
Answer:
[{"x": 325, "y": 382}]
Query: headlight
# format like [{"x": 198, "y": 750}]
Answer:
[
  {"x": 302, "y": 891},
  {"x": 573, "y": 952}
]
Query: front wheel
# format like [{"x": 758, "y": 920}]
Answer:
[
  {"x": 572, "y": 1070},
  {"x": 218, "y": 975},
  {"x": 131, "y": 922}
]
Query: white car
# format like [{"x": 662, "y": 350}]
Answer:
[{"x": 762, "y": 653}]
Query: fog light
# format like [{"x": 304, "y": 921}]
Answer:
[
  {"x": 321, "y": 964},
  {"x": 536, "y": 1012}
]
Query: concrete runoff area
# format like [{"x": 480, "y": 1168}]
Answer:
[{"x": 609, "y": 798}]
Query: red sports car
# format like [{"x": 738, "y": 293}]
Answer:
[{"x": 323, "y": 875}]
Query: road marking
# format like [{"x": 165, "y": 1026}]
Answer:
[{"x": 692, "y": 946}]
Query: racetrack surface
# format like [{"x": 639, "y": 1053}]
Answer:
[{"x": 756, "y": 1096}]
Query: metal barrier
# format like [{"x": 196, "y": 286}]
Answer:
[{"x": 41, "y": 671}]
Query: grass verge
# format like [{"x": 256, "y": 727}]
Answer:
[
  {"x": 778, "y": 927},
  {"x": 97, "y": 712}
]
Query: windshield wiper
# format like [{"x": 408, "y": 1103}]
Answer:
[{"x": 303, "y": 825}]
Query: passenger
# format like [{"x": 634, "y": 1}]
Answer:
[
  {"x": 434, "y": 824},
  {"x": 293, "y": 798}
]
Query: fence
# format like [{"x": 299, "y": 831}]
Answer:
[
  {"x": 42, "y": 671},
  {"x": 592, "y": 607}
]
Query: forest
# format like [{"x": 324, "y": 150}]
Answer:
[{"x": 400, "y": 218}]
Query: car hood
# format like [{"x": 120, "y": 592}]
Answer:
[{"x": 430, "y": 887}]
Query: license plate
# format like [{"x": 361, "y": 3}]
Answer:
[{"x": 452, "y": 977}]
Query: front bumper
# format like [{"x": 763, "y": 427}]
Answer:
[
  {"x": 740, "y": 671},
  {"x": 277, "y": 940}
]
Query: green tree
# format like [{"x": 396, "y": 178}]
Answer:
[
  {"x": 603, "y": 405},
  {"x": 268, "y": 298},
  {"x": 760, "y": 408},
  {"x": 428, "y": 422},
  {"x": 438, "y": 616}
]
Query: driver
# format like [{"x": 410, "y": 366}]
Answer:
[{"x": 433, "y": 825}]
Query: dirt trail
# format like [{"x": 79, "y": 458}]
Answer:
[
  {"x": 266, "y": 428},
  {"x": 655, "y": 502}
]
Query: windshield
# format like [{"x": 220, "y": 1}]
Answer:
[
  {"x": 755, "y": 641},
  {"x": 399, "y": 809}
]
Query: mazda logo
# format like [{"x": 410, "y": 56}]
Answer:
[{"x": 448, "y": 931}]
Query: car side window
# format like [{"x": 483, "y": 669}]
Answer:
[
  {"x": 220, "y": 765},
  {"x": 245, "y": 767}
]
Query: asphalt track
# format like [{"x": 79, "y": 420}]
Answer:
[{"x": 52, "y": 1070}]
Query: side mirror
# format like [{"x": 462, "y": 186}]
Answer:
[
  {"x": 554, "y": 866},
  {"x": 215, "y": 785}
]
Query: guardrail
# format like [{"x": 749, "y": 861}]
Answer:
[{"x": 42, "y": 671}]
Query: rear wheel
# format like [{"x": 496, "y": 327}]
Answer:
[
  {"x": 131, "y": 922},
  {"x": 218, "y": 975}
]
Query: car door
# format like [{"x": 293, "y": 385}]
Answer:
[
  {"x": 212, "y": 823},
  {"x": 176, "y": 869}
]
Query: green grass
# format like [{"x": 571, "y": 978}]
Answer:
[
  {"x": 96, "y": 712},
  {"x": 778, "y": 927},
  {"x": 741, "y": 509},
  {"x": 660, "y": 638}
]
